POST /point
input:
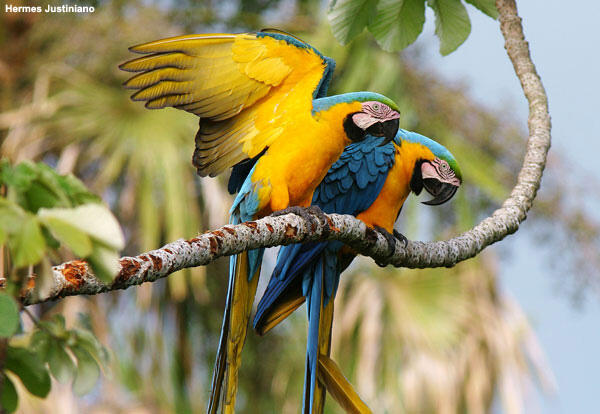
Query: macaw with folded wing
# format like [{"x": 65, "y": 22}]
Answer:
[
  {"x": 370, "y": 181},
  {"x": 261, "y": 99}
]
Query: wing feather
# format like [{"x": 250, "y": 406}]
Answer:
[{"x": 247, "y": 89}]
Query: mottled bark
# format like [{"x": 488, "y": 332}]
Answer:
[{"x": 74, "y": 278}]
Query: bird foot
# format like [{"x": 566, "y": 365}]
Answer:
[
  {"x": 320, "y": 214},
  {"x": 391, "y": 240},
  {"x": 401, "y": 237},
  {"x": 313, "y": 214}
]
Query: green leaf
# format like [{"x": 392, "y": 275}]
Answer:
[
  {"x": 398, "y": 23},
  {"x": 486, "y": 6},
  {"x": 9, "y": 399},
  {"x": 38, "y": 186},
  {"x": 39, "y": 196},
  {"x": 28, "y": 245},
  {"x": 348, "y": 18},
  {"x": 11, "y": 216},
  {"x": 104, "y": 262},
  {"x": 9, "y": 315},
  {"x": 61, "y": 365},
  {"x": 77, "y": 191},
  {"x": 19, "y": 177},
  {"x": 51, "y": 241},
  {"x": 90, "y": 343},
  {"x": 30, "y": 369},
  {"x": 93, "y": 219},
  {"x": 49, "y": 180},
  {"x": 452, "y": 24},
  {"x": 56, "y": 326},
  {"x": 88, "y": 371},
  {"x": 75, "y": 239},
  {"x": 40, "y": 343}
]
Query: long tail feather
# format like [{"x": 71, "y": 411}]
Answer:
[
  {"x": 339, "y": 387},
  {"x": 325, "y": 326},
  {"x": 240, "y": 296},
  {"x": 315, "y": 304}
]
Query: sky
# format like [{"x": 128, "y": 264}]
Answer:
[{"x": 564, "y": 39}]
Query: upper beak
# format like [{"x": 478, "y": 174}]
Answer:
[
  {"x": 390, "y": 129},
  {"x": 440, "y": 191}
]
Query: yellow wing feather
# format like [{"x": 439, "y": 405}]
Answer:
[{"x": 246, "y": 88}]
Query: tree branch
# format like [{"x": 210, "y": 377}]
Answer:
[{"x": 74, "y": 278}]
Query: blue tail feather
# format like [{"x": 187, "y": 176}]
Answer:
[{"x": 315, "y": 305}]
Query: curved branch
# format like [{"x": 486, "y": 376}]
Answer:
[{"x": 74, "y": 278}]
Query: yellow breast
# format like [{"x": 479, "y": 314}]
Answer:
[
  {"x": 295, "y": 164},
  {"x": 384, "y": 211}
]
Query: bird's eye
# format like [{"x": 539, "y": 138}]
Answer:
[{"x": 376, "y": 107}]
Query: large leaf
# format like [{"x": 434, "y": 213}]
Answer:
[
  {"x": 60, "y": 363},
  {"x": 486, "y": 6},
  {"x": 19, "y": 177},
  {"x": 77, "y": 191},
  {"x": 30, "y": 369},
  {"x": 74, "y": 238},
  {"x": 348, "y": 18},
  {"x": 11, "y": 216},
  {"x": 93, "y": 219},
  {"x": 398, "y": 23},
  {"x": 9, "y": 315},
  {"x": 38, "y": 186},
  {"x": 88, "y": 371},
  {"x": 9, "y": 399},
  {"x": 452, "y": 24},
  {"x": 28, "y": 245},
  {"x": 90, "y": 343}
]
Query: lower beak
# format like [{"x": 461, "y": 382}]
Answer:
[
  {"x": 390, "y": 129},
  {"x": 440, "y": 191}
]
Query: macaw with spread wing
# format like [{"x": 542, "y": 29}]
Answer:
[
  {"x": 261, "y": 99},
  {"x": 370, "y": 181}
]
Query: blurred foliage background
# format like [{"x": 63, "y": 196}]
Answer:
[{"x": 439, "y": 341}]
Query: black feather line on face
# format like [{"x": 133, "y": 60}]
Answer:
[
  {"x": 353, "y": 132},
  {"x": 376, "y": 129},
  {"x": 416, "y": 181}
]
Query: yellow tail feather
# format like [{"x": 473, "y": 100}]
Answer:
[
  {"x": 325, "y": 325},
  {"x": 244, "y": 292},
  {"x": 338, "y": 386}
]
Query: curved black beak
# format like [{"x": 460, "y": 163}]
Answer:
[
  {"x": 440, "y": 191},
  {"x": 390, "y": 129}
]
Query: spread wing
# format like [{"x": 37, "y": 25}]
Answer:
[{"x": 246, "y": 88}]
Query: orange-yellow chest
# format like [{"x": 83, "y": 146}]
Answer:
[
  {"x": 297, "y": 162},
  {"x": 384, "y": 211}
]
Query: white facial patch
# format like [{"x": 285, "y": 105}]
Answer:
[
  {"x": 373, "y": 112},
  {"x": 440, "y": 170}
]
